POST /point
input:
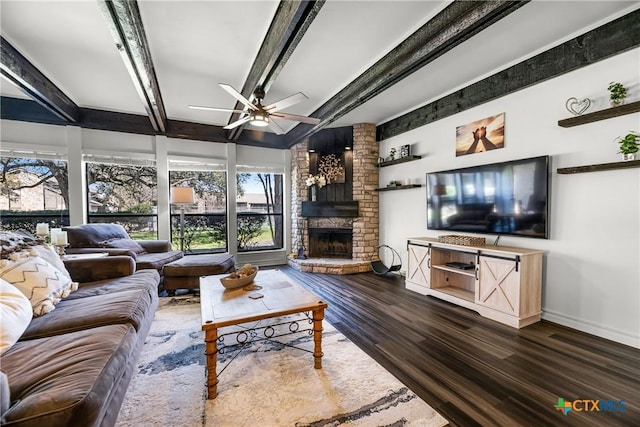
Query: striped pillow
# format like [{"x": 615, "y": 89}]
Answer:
[{"x": 39, "y": 281}]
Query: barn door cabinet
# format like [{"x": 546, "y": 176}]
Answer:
[
  {"x": 418, "y": 268},
  {"x": 501, "y": 283}
]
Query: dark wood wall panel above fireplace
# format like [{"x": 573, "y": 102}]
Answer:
[{"x": 339, "y": 142}]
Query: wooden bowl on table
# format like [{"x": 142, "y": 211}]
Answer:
[{"x": 239, "y": 279}]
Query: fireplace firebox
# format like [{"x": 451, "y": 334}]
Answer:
[{"x": 331, "y": 242}]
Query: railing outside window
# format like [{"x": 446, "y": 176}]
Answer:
[
  {"x": 205, "y": 220},
  {"x": 28, "y": 220},
  {"x": 203, "y": 233}
]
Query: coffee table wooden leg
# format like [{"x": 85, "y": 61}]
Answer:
[
  {"x": 211, "y": 351},
  {"x": 318, "y": 315}
]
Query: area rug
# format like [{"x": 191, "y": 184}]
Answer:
[{"x": 267, "y": 384}]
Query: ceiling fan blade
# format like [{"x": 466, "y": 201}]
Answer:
[
  {"x": 237, "y": 95},
  {"x": 237, "y": 123},
  {"x": 297, "y": 118},
  {"x": 276, "y": 127},
  {"x": 286, "y": 102},
  {"x": 226, "y": 110}
]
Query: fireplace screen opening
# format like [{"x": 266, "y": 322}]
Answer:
[{"x": 331, "y": 243}]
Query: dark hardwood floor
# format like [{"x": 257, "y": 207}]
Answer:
[{"x": 474, "y": 371}]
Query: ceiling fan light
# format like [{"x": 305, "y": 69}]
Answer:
[{"x": 259, "y": 119}]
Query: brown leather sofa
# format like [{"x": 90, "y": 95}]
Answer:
[
  {"x": 114, "y": 239},
  {"x": 72, "y": 366}
]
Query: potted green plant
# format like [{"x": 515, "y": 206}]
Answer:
[
  {"x": 617, "y": 93},
  {"x": 629, "y": 145}
]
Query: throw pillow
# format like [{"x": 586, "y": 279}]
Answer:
[
  {"x": 49, "y": 254},
  {"x": 12, "y": 242},
  {"x": 39, "y": 281},
  {"x": 15, "y": 312},
  {"x": 128, "y": 244},
  {"x": 5, "y": 393}
]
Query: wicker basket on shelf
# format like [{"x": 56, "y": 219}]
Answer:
[{"x": 455, "y": 239}]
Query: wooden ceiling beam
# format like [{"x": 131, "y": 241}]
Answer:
[
  {"x": 289, "y": 24},
  {"x": 27, "y": 110},
  {"x": 125, "y": 23},
  {"x": 116, "y": 122},
  {"x": 456, "y": 23},
  {"x": 17, "y": 69},
  {"x": 197, "y": 131}
]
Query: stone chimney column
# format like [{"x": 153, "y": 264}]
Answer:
[
  {"x": 366, "y": 232},
  {"x": 299, "y": 192}
]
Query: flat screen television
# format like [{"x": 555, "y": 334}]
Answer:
[{"x": 508, "y": 198}]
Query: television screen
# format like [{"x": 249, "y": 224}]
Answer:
[{"x": 502, "y": 198}]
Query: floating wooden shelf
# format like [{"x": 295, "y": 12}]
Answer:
[
  {"x": 397, "y": 161},
  {"x": 600, "y": 167},
  {"x": 399, "y": 187},
  {"x": 621, "y": 110}
]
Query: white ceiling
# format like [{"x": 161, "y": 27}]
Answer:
[{"x": 196, "y": 44}]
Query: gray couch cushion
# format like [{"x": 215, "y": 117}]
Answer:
[
  {"x": 156, "y": 260},
  {"x": 146, "y": 280},
  {"x": 91, "y": 235},
  {"x": 185, "y": 273},
  {"x": 200, "y": 265},
  {"x": 128, "y": 244},
  {"x": 127, "y": 307},
  {"x": 66, "y": 380}
]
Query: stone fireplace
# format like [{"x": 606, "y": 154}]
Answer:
[{"x": 339, "y": 232}]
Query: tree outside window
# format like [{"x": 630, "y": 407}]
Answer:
[
  {"x": 33, "y": 191},
  {"x": 125, "y": 195}
]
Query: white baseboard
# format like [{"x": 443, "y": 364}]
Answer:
[{"x": 592, "y": 328}]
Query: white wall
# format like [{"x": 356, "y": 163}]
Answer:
[{"x": 592, "y": 259}]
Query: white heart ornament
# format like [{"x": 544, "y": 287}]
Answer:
[{"x": 576, "y": 107}]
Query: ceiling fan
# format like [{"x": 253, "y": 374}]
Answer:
[{"x": 260, "y": 115}]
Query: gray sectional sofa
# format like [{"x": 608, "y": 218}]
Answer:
[
  {"x": 72, "y": 366},
  {"x": 114, "y": 239}
]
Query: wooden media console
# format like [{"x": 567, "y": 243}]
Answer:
[{"x": 501, "y": 283}]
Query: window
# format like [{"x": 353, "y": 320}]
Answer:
[
  {"x": 125, "y": 195},
  {"x": 205, "y": 221},
  {"x": 259, "y": 211},
  {"x": 33, "y": 190}
]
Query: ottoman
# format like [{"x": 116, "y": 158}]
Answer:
[{"x": 184, "y": 273}]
